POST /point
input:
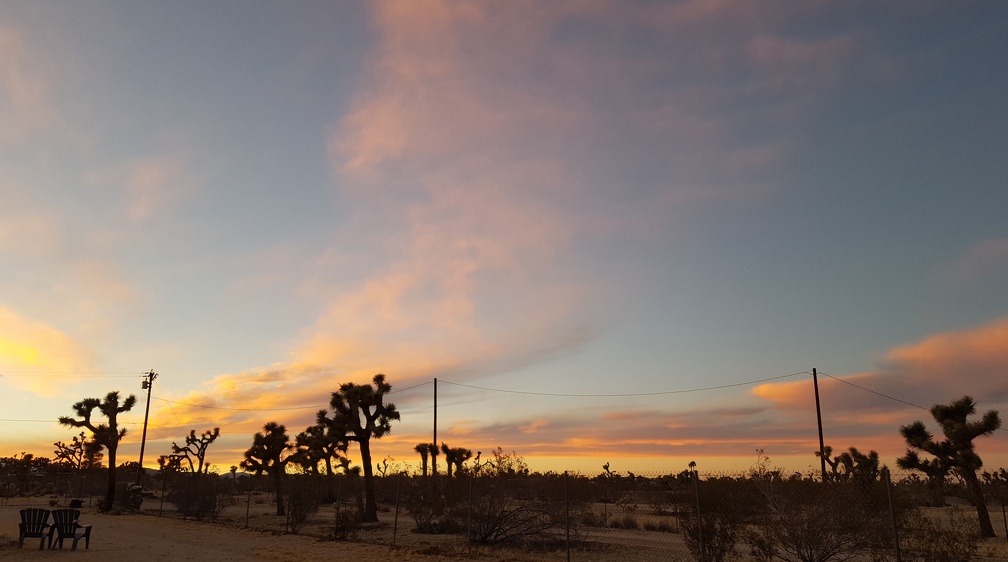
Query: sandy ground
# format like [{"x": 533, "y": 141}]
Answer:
[{"x": 147, "y": 536}]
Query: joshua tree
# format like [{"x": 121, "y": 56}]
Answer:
[
  {"x": 856, "y": 465},
  {"x": 456, "y": 456},
  {"x": 956, "y": 452},
  {"x": 108, "y": 434},
  {"x": 423, "y": 449},
  {"x": 196, "y": 447},
  {"x": 266, "y": 455},
  {"x": 79, "y": 454},
  {"x": 362, "y": 412}
]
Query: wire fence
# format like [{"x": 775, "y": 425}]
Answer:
[{"x": 760, "y": 515}]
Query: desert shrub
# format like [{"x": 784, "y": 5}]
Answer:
[
  {"x": 303, "y": 501},
  {"x": 628, "y": 521},
  {"x": 199, "y": 495},
  {"x": 346, "y": 525},
  {"x": 810, "y": 522},
  {"x": 712, "y": 536},
  {"x": 946, "y": 536},
  {"x": 660, "y": 526},
  {"x": 627, "y": 503},
  {"x": 428, "y": 512},
  {"x": 495, "y": 515},
  {"x": 661, "y": 502}
]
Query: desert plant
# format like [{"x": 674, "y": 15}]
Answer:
[
  {"x": 956, "y": 453},
  {"x": 812, "y": 522},
  {"x": 712, "y": 536},
  {"x": 361, "y": 413},
  {"x": 107, "y": 434},
  {"x": 303, "y": 499},
  {"x": 947, "y": 536}
]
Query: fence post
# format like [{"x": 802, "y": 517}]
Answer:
[
  {"x": 566, "y": 516},
  {"x": 469, "y": 531},
  {"x": 248, "y": 502},
  {"x": 699, "y": 519},
  {"x": 395, "y": 522},
  {"x": 892, "y": 512},
  {"x": 164, "y": 480}
]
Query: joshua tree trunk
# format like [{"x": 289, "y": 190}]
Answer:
[
  {"x": 110, "y": 491},
  {"x": 976, "y": 497},
  {"x": 278, "y": 487},
  {"x": 370, "y": 503}
]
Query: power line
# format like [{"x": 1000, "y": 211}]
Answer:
[
  {"x": 410, "y": 387},
  {"x": 631, "y": 394},
  {"x": 893, "y": 398},
  {"x": 67, "y": 374}
]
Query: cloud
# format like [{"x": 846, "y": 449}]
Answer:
[
  {"x": 153, "y": 186},
  {"x": 979, "y": 262},
  {"x": 25, "y": 105},
  {"x": 29, "y": 349},
  {"x": 867, "y": 409}
]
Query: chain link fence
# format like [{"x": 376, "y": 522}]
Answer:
[{"x": 760, "y": 515}]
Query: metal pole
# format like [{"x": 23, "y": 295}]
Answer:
[
  {"x": 892, "y": 514},
  {"x": 818, "y": 411},
  {"x": 434, "y": 452},
  {"x": 147, "y": 383},
  {"x": 566, "y": 516},
  {"x": 699, "y": 517}
]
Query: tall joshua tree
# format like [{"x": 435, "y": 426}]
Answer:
[
  {"x": 423, "y": 449},
  {"x": 361, "y": 410},
  {"x": 266, "y": 455},
  {"x": 107, "y": 434},
  {"x": 956, "y": 452}
]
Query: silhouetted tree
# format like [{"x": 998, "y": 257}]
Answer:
[
  {"x": 108, "y": 434},
  {"x": 455, "y": 457},
  {"x": 196, "y": 447},
  {"x": 423, "y": 449},
  {"x": 362, "y": 413},
  {"x": 323, "y": 442},
  {"x": 956, "y": 452},
  {"x": 266, "y": 455},
  {"x": 855, "y": 465},
  {"x": 80, "y": 454}
]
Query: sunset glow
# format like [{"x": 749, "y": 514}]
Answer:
[{"x": 612, "y": 232}]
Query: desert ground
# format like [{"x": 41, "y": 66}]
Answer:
[
  {"x": 158, "y": 533},
  {"x": 149, "y": 536}
]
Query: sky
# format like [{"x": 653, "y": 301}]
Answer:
[{"x": 618, "y": 232}]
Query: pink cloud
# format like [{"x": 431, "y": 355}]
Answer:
[
  {"x": 152, "y": 186},
  {"x": 25, "y": 105}
]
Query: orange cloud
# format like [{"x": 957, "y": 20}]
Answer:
[{"x": 28, "y": 349}]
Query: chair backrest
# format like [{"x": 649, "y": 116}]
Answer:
[
  {"x": 34, "y": 518},
  {"x": 65, "y": 519}
]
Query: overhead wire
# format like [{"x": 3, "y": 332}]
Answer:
[{"x": 628, "y": 394}]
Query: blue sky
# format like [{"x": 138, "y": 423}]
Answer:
[{"x": 262, "y": 201}]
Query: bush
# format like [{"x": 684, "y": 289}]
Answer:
[
  {"x": 712, "y": 536},
  {"x": 950, "y": 536},
  {"x": 199, "y": 495},
  {"x": 346, "y": 525},
  {"x": 303, "y": 501}
]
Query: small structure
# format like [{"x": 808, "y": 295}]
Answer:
[
  {"x": 34, "y": 524},
  {"x": 66, "y": 526}
]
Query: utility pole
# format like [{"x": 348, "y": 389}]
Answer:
[
  {"x": 818, "y": 412},
  {"x": 147, "y": 383},
  {"x": 434, "y": 452}
]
